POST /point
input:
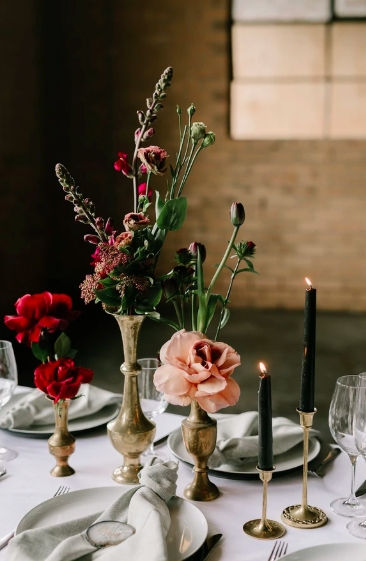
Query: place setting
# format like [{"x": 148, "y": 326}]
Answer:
[{"x": 145, "y": 482}]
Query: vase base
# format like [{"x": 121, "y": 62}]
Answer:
[
  {"x": 62, "y": 471},
  {"x": 208, "y": 492},
  {"x": 127, "y": 474}
]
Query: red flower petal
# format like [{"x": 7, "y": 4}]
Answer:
[
  {"x": 61, "y": 305},
  {"x": 34, "y": 306},
  {"x": 18, "y": 323}
]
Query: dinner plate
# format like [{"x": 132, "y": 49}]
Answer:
[
  {"x": 97, "y": 419},
  {"x": 329, "y": 552},
  {"x": 187, "y": 532},
  {"x": 288, "y": 460}
]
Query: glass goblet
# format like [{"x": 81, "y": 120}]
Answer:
[
  {"x": 152, "y": 401},
  {"x": 341, "y": 416},
  {"x": 356, "y": 527},
  {"x": 8, "y": 383}
]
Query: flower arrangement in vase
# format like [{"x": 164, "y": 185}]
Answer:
[
  {"x": 195, "y": 369},
  {"x": 40, "y": 323}
]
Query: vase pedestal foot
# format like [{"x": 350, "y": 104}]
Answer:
[
  {"x": 201, "y": 488},
  {"x": 127, "y": 474},
  {"x": 62, "y": 471}
]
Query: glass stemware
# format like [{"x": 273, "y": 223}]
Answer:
[
  {"x": 152, "y": 401},
  {"x": 8, "y": 383},
  {"x": 341, "y": 416},
  {"x": 356, "y": 527}
]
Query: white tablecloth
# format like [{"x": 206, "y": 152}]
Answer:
[{"x": 28, "y": 483}]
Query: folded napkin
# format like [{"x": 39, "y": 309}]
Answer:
[
  {"x": 35, "y": 408},
  {"x": 144, "y": 507},
  {"x": 237, "y": 438}
]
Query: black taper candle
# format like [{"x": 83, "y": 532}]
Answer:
[
  {"x": 265, "y": 438},
  {"x": 308, "y": 364}
]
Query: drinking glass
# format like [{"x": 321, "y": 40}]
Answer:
[
  {"x": 152, "y": 401},
  {"x": 8, "y": 383},
  {"x": 341, "y": 417},
  {"x": 356, "y": 527}
]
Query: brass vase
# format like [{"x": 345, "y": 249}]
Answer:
[
  {"x": 199, "y": 435},
  {"x": 61, "y": 443},
  {"x": 131, "y": 432}
]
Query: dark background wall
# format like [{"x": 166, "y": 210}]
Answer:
[{"x": 74, "y": 73}]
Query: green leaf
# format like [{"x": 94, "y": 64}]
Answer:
[
  {"x": 149, "y": 299},
  {"x": 225, "y": 318},
  {"x": 39, "y": 353},
  {"x": 62, "y": 346},
  {"x": 109, "y": 296},
  {"x": 107, "y": 281},
  {"x": 172, "y": 214},
  {"x": 159, "y": 204},
  {"x": 211, "y": 308},
  {"x": 155, "y": 316}
]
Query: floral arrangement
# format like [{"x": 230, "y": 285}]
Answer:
[
  {"x": 124, "y": 279},
  {"x": 40, "y": 324}
]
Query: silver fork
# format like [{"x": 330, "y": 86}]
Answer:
[
  {"x": 62, "y": 490},
  {"x": 279, "y": 549}
]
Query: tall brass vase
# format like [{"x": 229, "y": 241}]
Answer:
[
  {"x": 199, "y": 435},
  {"x": 131, "y": 432},
  {"x": 61, "y": 443}
]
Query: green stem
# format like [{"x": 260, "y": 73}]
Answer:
[
  {"x": 191, "y": 159},
  {"x": 147, "y": 183},
  {"x": 233, "y": 275},
  {"x": 224, "y": 259},
  {"x": 179, "y": 164},
  {"x": 194, "y": 325},
  {"x": 177, "y": 312}
]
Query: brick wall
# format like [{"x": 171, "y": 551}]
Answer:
[{"x": 304, "y": 200}]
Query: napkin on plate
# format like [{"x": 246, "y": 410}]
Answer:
[
  {"x": 144, "y": 507},
  {"x": 35, "y": 408},
  {"x": 237, "y": 438}
]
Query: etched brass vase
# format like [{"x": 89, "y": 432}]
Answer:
[
  {"x": 199, "y": 435},
  {"x": 61, "y": 443},
  {"x": 131, "y": 432}
]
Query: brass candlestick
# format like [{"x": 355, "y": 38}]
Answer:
[
  {"x": 305, "y": 516},
  {"x": 263, "y": 528}
]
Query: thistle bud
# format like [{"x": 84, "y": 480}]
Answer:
[
  {"x": 237, "y": 214},
  {"x": 195, "y": 247},
  {"x": 198, "y": 131},
  {"x": 191, "y": 110},
  {"x": 209, "y": 139}
]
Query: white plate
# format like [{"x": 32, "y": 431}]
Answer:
[
  {"x": 97, "y": 419},
  {"x": 329, "y": 552},
  {"x": 288, "y": 460},
  {"x": 187, "y": 532}
]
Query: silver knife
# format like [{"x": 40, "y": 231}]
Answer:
[{"x": 205, "y": 549}]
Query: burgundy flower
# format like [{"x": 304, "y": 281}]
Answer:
[
  {"x": 122, "y": 165},
  {"x": 124, "y": 239},
  {"x": 141, "y": 189},
  {"x": 194, "y": 247},
  {"x": 153, "y": 158},
  {"x": 135, "y": 221},
  {"x": 61, "y": 379},
  {"x": 40, "y": 311}
]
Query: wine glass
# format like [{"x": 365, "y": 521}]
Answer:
[
  {"x": 356, "y": 527},
  {"x": 341, "y": 416},
  {"x": 8, "y": 383},
  {"x": 152, "y": 401}
]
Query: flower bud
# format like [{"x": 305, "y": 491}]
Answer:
[
  {"x": 150, "y": 132},
  {"x": 194, "y": 247},
  {"x": 137, "y": 134},
  {"x": 191, "y": 110},
  {"x": 81, "y": 218},
  {"x": 141, "y": 117},
  {"x": 198, "y": 131},
  {"x": 209, "y": 139},
  {"x": 237, "y": 214},
  {"x": 91, "y": 238},
  {"x": 179, "y": 110},
  {"x": 183, "y": 256}
]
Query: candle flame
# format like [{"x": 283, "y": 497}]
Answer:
[
  {"x": 262, "y": 368},
  {"x": 308, "y": 282}
]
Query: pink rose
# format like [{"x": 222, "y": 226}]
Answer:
[
  {"x": 135, "y": 221},
  {"x": 196, "y": 368},
  {"x": 153, "y": 158},
  {"x": 124, "y": 239}
]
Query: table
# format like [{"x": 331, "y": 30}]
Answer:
[{"x": 28, "y": 483}]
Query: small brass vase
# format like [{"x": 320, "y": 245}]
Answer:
[
  {"x": 131, "y": 432},
  {"x": 199, "y": 435},
  {"x": 61, "y": 443}
]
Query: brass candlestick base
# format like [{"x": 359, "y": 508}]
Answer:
[
  {"x": 199, "y": 435},
  {"x": 304, "y": 516},
  {"x": 262, "y": 528}
]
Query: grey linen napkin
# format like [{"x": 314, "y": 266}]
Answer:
[
  {"x": 36, "y": 409},
  {"x": 237, "y": 438},
  {"x": 143, "y": 507}
]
